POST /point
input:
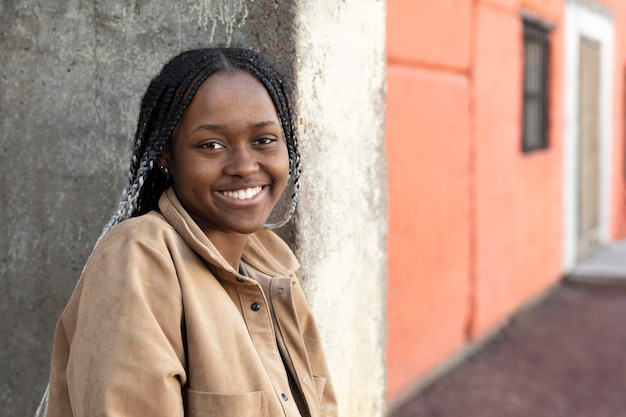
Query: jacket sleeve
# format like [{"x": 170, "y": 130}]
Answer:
[
  {"x": 315, "y": 352},
  {"x": 126, "y": 357}
]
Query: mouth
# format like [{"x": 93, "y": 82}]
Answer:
[{"x": 243, "y": 194}]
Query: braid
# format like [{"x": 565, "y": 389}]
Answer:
[{"x": 168, "y": 96}]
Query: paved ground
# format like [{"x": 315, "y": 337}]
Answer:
[{"x": 565, "y": 357}]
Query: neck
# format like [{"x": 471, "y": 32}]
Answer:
[{"x": 229, "y": 245}]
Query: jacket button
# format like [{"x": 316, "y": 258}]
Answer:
[
  {"x": 255, "y": 307},
  {"x": 283, "y": 396},
  {"x": 280, "y": 291}
]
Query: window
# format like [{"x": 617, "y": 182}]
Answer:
[{"x": 536, "y": 88}]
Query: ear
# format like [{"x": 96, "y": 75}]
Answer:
[{"x": 164, "y": 160}]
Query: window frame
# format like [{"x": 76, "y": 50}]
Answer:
[{"x": 536, "y": 86}]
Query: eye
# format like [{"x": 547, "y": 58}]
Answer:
[
  {"x": 211, "y": 145},
  {"x": 265, "y": 140}
]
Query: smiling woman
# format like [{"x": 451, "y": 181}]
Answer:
[{"x": 189, "y": 305}]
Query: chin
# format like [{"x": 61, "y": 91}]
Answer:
[
  {"x": 247, "y": 229},
  {"x": 250, "y": 230}
]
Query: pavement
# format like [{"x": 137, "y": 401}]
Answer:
[{"x": 564, "y": 357}]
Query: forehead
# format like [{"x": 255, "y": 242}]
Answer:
[
  {"x": 231, "y": 86},
  {"x": 229, "y": 98}
]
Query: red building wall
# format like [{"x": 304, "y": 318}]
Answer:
[
  {"x": 428, "y": 125},
  {"x": 618, "y": 208},
  {"x": 475, "y": 225},
  {"x": 518, "y": 196}
]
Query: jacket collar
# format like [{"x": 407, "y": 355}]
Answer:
[{"x": 264, "y": 250}]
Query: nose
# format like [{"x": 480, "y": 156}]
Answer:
[{"x": 241, "y": 162}]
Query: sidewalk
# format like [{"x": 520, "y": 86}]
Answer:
[{"x": 564, "y": 357}]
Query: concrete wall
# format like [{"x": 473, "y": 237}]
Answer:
[
  {"x": 72, "y": 74},
  {"x": 342, "y": 222}
]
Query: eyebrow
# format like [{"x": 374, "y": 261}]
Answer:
[{"x": 217, "y": 128}]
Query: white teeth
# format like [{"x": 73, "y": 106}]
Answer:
[{"x": 243, "y": 194}]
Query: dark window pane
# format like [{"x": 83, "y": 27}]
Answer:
[{"x": 536, "y": 69}]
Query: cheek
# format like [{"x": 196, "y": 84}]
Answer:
[
  {"x": 284, "y": 168},
  {"x": 285, "y": 158},
  {"x": 280, "y": 172}
]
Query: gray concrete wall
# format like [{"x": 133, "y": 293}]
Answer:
[
  {"x": 342, "y": 217},
  {"x": 72, "y": 73}
]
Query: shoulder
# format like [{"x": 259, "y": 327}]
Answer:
[
  {"x": 131, "y": 265},
  {"x": 147, "y": 226},
  {"x": 150, "y": 230},
  {"x": 138, "y": 241}
]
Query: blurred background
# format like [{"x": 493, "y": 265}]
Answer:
[{"x": 506, "y": 161}]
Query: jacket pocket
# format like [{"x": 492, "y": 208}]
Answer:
[{"x": 247, "y": 404}]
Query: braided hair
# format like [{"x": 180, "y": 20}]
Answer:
[{"x": 168, "y": 96}]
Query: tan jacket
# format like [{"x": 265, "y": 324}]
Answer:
[{"x": 160, "y": 325}]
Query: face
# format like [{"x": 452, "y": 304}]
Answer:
[{"x": 227, "y": 156}]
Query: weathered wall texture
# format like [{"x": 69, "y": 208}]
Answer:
[
  {"x": 72, "y": 74},
  {"x": 342, "y": 225}
]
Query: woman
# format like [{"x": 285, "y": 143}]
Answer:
[{"x": 189, "y": 305}]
